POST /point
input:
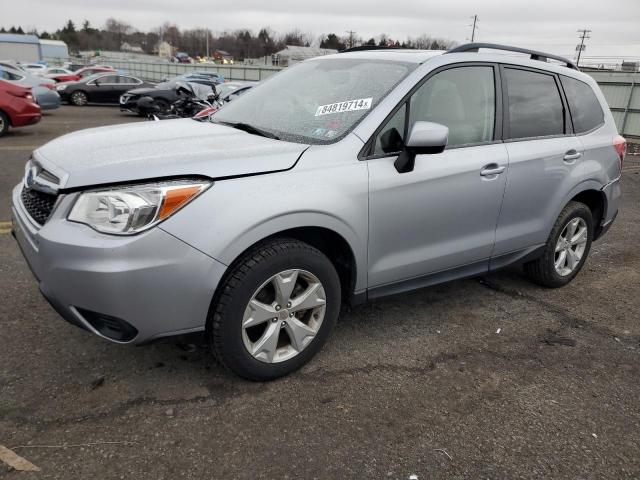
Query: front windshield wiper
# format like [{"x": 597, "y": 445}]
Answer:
[{"x": 245, "y": 127}]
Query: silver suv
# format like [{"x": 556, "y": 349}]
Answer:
[{"x": 344, "y": 178}]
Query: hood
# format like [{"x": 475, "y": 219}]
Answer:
[{"x": 169, "y": 148}]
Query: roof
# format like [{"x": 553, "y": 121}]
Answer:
[
  {"x": 18, "y": 38},
  {"x": 306, "y": 52},
  {"x": 53, "y": 43},
  {"x": 403, "y": 55}
]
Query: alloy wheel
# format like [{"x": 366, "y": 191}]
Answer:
[
  {"x": 570, "y": 246},
  {"x": 283, "y": 316},
  {"x": 79, "y": 98}
]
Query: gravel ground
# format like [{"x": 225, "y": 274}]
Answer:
[{"x": 419, "y": 383}]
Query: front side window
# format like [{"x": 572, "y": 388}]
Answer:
[
  {"x": 535, "y": 105},
  {"x": 585, "y": 108},
  {"x": 316, "y": 101},
  {"x": 463, "y": 99}
]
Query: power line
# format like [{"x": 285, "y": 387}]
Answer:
[{"x": 585, "y": 35}]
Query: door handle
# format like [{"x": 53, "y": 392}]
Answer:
[
  {"x": 492, "y": 169},
  {"x": 571, "y": 156}
]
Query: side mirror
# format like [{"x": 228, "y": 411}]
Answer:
[
  {"x": 425, "y": 138},
  {"x": 96, "y": 82}
]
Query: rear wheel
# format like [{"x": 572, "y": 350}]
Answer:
[
  {"x": 275, "y": 309},
  {"x": 4, "y": 123},
  {"x": 79, "y": 98},
  {"x": 567, "y": 248}
]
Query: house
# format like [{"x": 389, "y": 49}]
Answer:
[
  {"x": 165, "y": 49},
  {"x": 127, "y": 47},
  {"x": 293, "y": 54},
  {"x": 23, "y": 48}
]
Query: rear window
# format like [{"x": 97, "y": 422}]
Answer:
[
  {"x": 585, "y": 109},
  {"x": 535, "y": 105}
]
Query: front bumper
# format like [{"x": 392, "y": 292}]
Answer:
[
  {"x": 128, "y": 103},
  {"x": 152, "y": 281}
]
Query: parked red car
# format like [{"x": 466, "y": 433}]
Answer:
[
  {"x": 18, "y": 107},
  {"x": 80, "y": 74}
]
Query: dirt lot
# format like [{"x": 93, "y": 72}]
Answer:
[{"x": 419, "y": 383}]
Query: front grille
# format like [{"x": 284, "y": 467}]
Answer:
[{"x": 38, "y": 205}]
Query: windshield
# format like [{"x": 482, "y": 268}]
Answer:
[{"x": 317, "y": 101}]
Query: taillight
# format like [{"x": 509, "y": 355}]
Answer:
[{"x": 620, "y": 144}]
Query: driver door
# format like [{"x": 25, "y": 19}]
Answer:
[{"x": 441, "y": 215}]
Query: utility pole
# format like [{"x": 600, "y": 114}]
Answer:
[
  {"x": 207, "y": 34},
  {"x": 352, "y": 38},
  {"x": 584, "y": 35},
  {"x": 473, "y": 32}
]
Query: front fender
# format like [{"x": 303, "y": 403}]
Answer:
[{"x": 235, "y": 214}]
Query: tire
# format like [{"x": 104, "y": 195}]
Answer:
[
  {"x": 78, "y": 98},
  {"x": 256, "y": 273},
  {"x": 4, "y": 123},
  {"x": 544, "y": 270}
]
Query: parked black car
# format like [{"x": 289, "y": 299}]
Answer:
[
  {"x": 99, "y": 88},
  {"x": 164, "y": 94}
]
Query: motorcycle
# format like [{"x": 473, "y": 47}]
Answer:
[{"x": 193, "y": 100}]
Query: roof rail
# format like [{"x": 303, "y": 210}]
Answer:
[{"x": 534, "y": 55}]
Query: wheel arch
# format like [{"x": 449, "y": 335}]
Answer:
[
  {"x": 590, "y": 193},
  {"x": 333, "y": 244}
]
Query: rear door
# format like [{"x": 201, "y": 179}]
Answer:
[{"x": 545, "y": 158}]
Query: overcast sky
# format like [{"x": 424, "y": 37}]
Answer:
[{"x": 543, "y": 24}]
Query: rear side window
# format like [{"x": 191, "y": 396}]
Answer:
[
  {"x": 535, "y": 105},
  {"x": 585, "y": 109}
]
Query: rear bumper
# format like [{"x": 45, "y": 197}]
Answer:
[
  {"x": 48, "y": 100},
  {"x": 612, "y": 192},
  {"x": 153, "y": 282}
]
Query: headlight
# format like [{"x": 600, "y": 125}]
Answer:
[
  {"x": 134, "y": 208},
  {"x": 61, "y": 87}
]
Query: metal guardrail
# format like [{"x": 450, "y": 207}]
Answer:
[
  {"x": 622, "y": 92},
  {"x": 158, "y": 71}
]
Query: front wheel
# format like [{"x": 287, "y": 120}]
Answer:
[
  {"x": 79, "y": 99},
  {"x": 567, "y": 248},
  {"x": 275, "y": 309}
]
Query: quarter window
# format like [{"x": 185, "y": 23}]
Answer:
[
  {"x": 391, "y": 137},
  {"x": 585, "y": 109},
  {"x": 535, "y": 105},
  {"x": 463, "y": 99}
]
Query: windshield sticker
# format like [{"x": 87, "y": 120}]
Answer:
[{"x": 348, "y": 106}]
